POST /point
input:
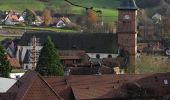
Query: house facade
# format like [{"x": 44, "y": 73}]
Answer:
[{"x": 102, "y": 45}]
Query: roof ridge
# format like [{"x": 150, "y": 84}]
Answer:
[
  {"x": 30, "y": 84},
  {"x": 50, "y": 87}
]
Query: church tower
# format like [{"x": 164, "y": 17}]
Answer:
[{"x": 127, "y": 28}]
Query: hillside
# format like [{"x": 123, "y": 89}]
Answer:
[
  {"x": 107, "y": 6},
  {"x": 38, "y": 5}
]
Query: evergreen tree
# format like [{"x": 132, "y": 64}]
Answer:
[
  {"x": 49, "y": 62},
  {"x": 5, "y": 67}
]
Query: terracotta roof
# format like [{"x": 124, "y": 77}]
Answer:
[
  {"x": 59, "y": 84},
  {"x": 89, "y": 87},
  {"x": 14, "y": 63},
  {"x": 71, "y": 54},
  {"x": 7, "y": 96},
  {"x": 33, "y": 87},
  {"x": 97, "y": 92}
]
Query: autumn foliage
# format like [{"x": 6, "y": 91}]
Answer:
[
  {"x": 92, "y": 16},
  {"x": 47, "y": 17}
]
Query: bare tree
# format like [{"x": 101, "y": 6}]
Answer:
[{"x": 47, "y": 17}]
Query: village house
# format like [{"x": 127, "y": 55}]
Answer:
[
  {"x": 70, "y": 57},
  {"x": 61, "y": 22},
  {"x": 33, "y": 86},
  {"x": 92, "y": 45},
  {"x": 12, "y": 18}
]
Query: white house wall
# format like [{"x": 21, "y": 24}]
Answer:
[
  {"x": 24, "y": 50},
  {"x": 5, "y": 84},
  {"x": 16, "y": 75}
]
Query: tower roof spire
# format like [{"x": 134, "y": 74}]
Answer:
[{"x": 128, "y": 5}]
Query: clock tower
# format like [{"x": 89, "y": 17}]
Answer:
[
  {"x": 127, "y": 29},
  {"x": 127, "y": 26}
]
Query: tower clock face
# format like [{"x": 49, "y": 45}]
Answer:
[{"x": 126, "y": 17}]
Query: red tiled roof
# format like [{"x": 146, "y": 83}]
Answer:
[
  {"x": 87, "y": 87},
  {"x": 60, "y": 85},
  {"x": 7, "y": 96},
  {"x": 71, "y": 52},
  {"x": 33, "y": 87}
]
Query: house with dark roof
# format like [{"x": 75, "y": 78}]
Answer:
[
  {"x": 100, "y": 45},
  {"x": 12, "y": 18},
  {"x": 33, "y": 86}
]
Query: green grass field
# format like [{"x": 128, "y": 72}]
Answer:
[
  {"x": 108, "y": 7},
  {"x": 5, "y": 37},
  {"x": 37, "y": 5},
  {"x": 91, "y": 3},
  {"x": 109, "y": 15},
  {"x": 20, "y": 5}
]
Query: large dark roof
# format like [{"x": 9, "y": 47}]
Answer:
[
  {"x": 26, "y": 58},
  {"x": 32, "y": 86},
  {"x": 90, "y": 42},
  {"x": 128, "y": 5}
]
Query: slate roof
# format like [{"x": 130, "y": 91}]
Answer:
[
  {"x": 128, "y": 5},
  {"x": 90, "y": 42},
  {"x": 27, "y": 56}
]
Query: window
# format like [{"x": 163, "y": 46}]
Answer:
[
  {"x": 109, "y": 56},
  {"x": 98, "y": 56},
  {"x": 74, "y": 61},
  {"x": 26, "y": 67},
  {"x": 17, "y": 76}
]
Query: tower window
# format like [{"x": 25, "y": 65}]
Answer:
[
  {"x": 109, "y": 56},
  {"x": 98, "y": 56}
]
